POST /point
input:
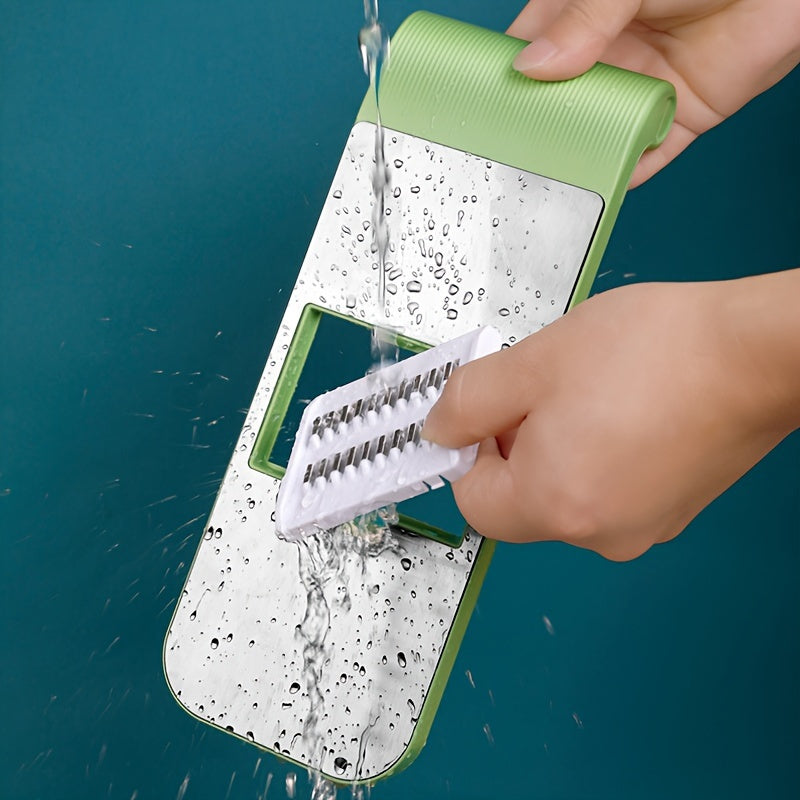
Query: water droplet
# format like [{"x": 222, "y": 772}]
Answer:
[
  {"x": 538, "y": 293},
  {"x": 415, "y": 189},
  {"x": 488, "y": 732},
  {"x": 414, "y": 286},
  {"x": 218, "y": 533},
  {"x": 411, "y": 707},
  {"x": 294, "y": 688},
  {"x": 439, "y": 273},
  {"x": 337, "y": 194},
  {"x": 350, "y": 301},
  {"x": 503, "y": 312},
  {"x": 495, "y": 222},
  {"x": 405, "y": 563},
  {"x": 251, "y": 642},
  {"x": 398, "y": 162},
  {"x": 250, "y": 736},
  {"x": 452, "y": 313},
  {"x": 339, "y": 763},
  {"x": 460, "y": 217},
  {"x": 214, "y": 643},
  {"x": 229, "y": 637},
  {"x": 401, "y": 660}
]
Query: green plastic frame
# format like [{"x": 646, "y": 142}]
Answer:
[{"x": 452, "y": 83}]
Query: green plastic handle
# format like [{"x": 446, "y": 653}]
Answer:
[{"x": 453, "y": 84}]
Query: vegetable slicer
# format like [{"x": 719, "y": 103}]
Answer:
[{"x": 503, "y": 195}]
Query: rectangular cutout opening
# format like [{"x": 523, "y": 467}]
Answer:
[{"x": 329, "y": 350}]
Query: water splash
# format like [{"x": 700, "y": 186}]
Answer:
[
  {"x": 384, "y": 348},
  {"x": 323, "y": 558}
]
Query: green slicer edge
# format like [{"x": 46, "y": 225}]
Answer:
[{"x": 504, "y": 193}]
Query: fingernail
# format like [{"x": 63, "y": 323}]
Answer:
[{"x": 534, "y": 55}]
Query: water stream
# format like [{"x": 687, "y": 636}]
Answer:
[
  {"x": 373, "y": 41},
  {"x": 323, "y": 556}
]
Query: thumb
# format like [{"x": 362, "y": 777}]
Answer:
[
  {"x": 481, "y": 400},
  {"x": 576, "y": 39}
]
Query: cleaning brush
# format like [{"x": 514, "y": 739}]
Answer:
[{"x": 358, "y": 447}]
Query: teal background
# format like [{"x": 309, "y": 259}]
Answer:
[{"x": 163, "y": 164}]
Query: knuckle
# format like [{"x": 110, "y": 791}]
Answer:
[
  {"x": 583, "y": 12},
  {"x": 600, "y": 19},
  {"x": 620, "y": 550},
  {"x": 574, "y": 517}
]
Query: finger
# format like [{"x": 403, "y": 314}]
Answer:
[
  {"x": 576, "y": 39},
  {"x": 487, "y": 497},
  {"x": 481, "y": 400},
  {"x": 678, "y": 139},
  {"x": 505, "y": 441},
  {"x": 534, "y": 18}
]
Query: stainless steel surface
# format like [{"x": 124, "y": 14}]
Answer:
[{"x": 473, "y": 243}]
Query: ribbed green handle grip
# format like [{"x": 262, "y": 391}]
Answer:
[{"x": 453, "y": 83}]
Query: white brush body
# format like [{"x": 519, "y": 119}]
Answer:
[{"x": 358, "y": 447}]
